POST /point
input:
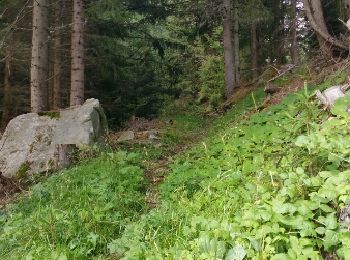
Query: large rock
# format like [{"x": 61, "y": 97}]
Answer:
[{"x": 32, "y": 142}]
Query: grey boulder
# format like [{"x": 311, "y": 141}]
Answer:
[{"x": 31, "y": 142}]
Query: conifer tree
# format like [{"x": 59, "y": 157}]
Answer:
[
  {"x": 40, "y": 56},
  {"x": 77, "y": 52}
]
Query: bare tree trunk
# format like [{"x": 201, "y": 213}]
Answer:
[
  {"x": 7, "y": 88},
  {"x": 294, "y": 25},
  {"x": 346, "y": 10},
  {"x": 315, "y": 16},
  {"x": 236, "y": 44},
  {"x": 228, "y": 49},
  {"x": 77, "y": 52},
  {"x": 317, "y": 12},
  {"x": 40, "y": 55},
  {"x": 254, "y": 50},
  {"x": 56, "y": 88},
  {"x": 278, "y": 31}
]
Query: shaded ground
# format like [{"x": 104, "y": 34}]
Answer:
[
  {"x": 237, "y": 95},
  {"x": 277, "y": 97},
  {"x": 8, "y": 189}
]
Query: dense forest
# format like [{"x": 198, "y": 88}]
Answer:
[
  {"x": 138, "y": 55},
  {"x": 229, "y": 129}
]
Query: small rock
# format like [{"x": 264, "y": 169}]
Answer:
[
  {"x": 344, "y": 216},
  {"x": 330, "y": 95},
  {"x": 126, "y": 136},
  {"x": 153, "y": 136}
]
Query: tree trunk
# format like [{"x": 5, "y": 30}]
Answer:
[
  {"x": 40, "y": 55},
  {"x": 77, "y": 52},
  {"x": 294, "y": 25},
  {"x": 317, "y": 13},
  {"x": 315, "y": 16},
  {"x": 7, "y": 88},
  {"x": 278, "y": 37},
  {"x": 57, "y": 45},
  {"x": 254, "y": 50},
  {"x": 346, "y": 10},
  {"x": 236, "y": 44},
  {"x": 63, "y": 154},
  {"x": 228, "y": 49}
]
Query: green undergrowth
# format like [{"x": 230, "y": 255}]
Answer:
[
  {"x": 188, "y": 124},
  {"x": 257, "y": 185},
  {"x": 79, "y": 212},
  {"x": 268, "y": 186},
  {"x": 75, "y": 213}
]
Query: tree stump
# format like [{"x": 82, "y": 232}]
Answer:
[{"x": 63, "y": 155}]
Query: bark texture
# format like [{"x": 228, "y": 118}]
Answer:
[
  {"x": 6, "y": 113},
  {"x": 236, "y": 44},
  {"x": 57, "y": 56},
  {"x": 346, "y": 10},
  {"x": 77, "y": 52},
  {"x": 228, "y": 49},
  {"x": 294, "y": 26},
  {"x": 254, "y": 50},
  {"x": 278, "y": 31},
  {"x": 40, "y": 57}
]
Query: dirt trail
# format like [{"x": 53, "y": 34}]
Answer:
[{"x": 150, "y": 134}]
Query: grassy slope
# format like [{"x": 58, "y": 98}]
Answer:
[
  {"x": 77, "y": 213},
  {"x": 266, "y": 187},
  {"x": 261, "y": 186}
]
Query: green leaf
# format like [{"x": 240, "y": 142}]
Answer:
[
  {"x": 340, "y": 106},
  {"x": 331, "y": 221},
  {"x": 236, "y": 253},
  {"x": 320, "y": 230},
  {"x": 302, "y": 141},
  {"x": 330, "y": 239}
]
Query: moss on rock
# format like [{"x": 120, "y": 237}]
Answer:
[
  {"x": 23, "y": 170},
  {"x": 51, "y": 114}
]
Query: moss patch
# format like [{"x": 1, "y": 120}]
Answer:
[
  {"x": 23, "y": 170},
  {"x": 51, "y": 114}
]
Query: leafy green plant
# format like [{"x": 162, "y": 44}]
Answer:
[
  {"x": 262, "y": 188},
  {"x": 265, "y": 185}
]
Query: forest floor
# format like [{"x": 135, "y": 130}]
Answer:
[
  {"x": 160, "y": 140},
  {"x": 265, "y": 182}
]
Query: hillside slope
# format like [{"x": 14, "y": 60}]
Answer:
[{"x": 269, "y": 184}]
